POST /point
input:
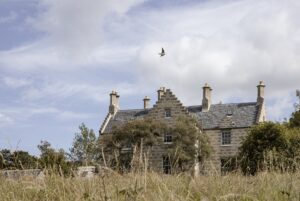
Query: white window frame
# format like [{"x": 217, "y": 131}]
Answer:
[{"x": 226, "y": 137}]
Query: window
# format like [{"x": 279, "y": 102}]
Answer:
[
  {"x": 167, "y": 138},
  {"x": 166, "y": 165},
  {"x": 168, "y": 112},
  {"x": 226, "y": 137}
]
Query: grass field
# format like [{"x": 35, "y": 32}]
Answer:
[{"x": 155, "y": 187}]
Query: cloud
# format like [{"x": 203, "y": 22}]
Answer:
[
  {"x": 5, "y": 120},
  {"x": 23, "y": 116},
  {"x": 231, "y": 46},
  {"x": 74, "y": 28},
  {"x": 7, "y": 19},
  {"x": 13, "y": 82},
  {"x": 59, "y": 91},
  {"x": 84, "y": 50}
]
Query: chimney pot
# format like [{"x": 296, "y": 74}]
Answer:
[
  {"x": 114, "y": 102},
  {"x": 146, "y": 102},
  {"x": 160, "y": 92},
  {"x": 260, "y": 92},
  {"x": 206, "y": 99}
]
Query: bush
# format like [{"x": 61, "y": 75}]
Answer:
[{"x": 262, "y": 139}]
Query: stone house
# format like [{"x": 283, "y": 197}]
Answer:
[{"x": 225, "y": 124}]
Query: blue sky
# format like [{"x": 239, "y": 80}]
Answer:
[{"x": 59, "y": 60}]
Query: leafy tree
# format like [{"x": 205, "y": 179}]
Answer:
[
  {"x": 84, "y": 148},
  {"x": 17, "y": 160},
  {"x": 291, "y": 159},
  {"x": 295, "y": 119},
  {"x": 189, "y": 144},
  {"x": 128, "y": 140},
  {"x": 52, "y": 160},
  {"x": 262, "y": 139}
]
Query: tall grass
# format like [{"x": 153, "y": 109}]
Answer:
[{"x": 155, "y": 187}]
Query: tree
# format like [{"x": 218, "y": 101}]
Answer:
[
  {"x": 52, "y": 160},
  {"x": 17, "y": 160},
  {"x": 84, "y": 148},
  {"x": 291, "y": 159},
  {"x": 130, "y": 140},
  {"x": 262, "y": 139},
  {"x": 189, "y": 144},
  {"x": 295, "y": 117}
]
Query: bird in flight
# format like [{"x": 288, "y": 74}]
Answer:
[{"x": 162, "y": 53}]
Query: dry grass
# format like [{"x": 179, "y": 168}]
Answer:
[{"x": 155, "y": 187}]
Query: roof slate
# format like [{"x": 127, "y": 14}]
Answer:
[
  {"x": 240, "y": 115},
  {"x": 232, "y": 115}
]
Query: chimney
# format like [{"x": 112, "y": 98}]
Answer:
[
  {"x": 114, "y": 102},
  {"x": 146, "y": 102},
  {"x": 260, "y": 92},
  {"x": 206, "y": 99},
  {"x": 160, "y": 92}
]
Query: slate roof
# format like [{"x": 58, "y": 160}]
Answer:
[
  {"x": 123, "y": 116},
  {"x": 233, "y": 115}
]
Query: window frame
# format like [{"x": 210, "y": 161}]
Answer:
[
  {"x": 166, "y": 165},
  {"x": 226, "y": 138},
  {"x": 168, "y": 138},
  {"x": 168, "y": 113}
]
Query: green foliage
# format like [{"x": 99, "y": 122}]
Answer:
[
  {"x": 84, "y": 148},
  {"x": 295, "y": 119},
  {"x": 130, "y": 138},
  {"x": 17, "y": 160},
  {"x": 188, "y": 145},
  {"x": 52, "y": 160},
  {"x": 270, "y": 146},
  {"x": 261, "y": 139},
  {"x": 292, "y": 152}
]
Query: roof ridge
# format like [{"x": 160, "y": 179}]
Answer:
[
  {"x": 125, "y": 110},
  {"x": 244, "y": 103}
]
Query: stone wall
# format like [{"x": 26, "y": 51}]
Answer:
[
  {"x": 223, "y": 151},
  {"x": 167, "y": 101},
  {"x": 21, "y": 174}
]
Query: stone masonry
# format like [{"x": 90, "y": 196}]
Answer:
[{"x": 225, "y": 124}]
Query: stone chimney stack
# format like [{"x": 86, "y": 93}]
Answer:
[
  {"x": 206, "y": 99},
  {"x": 114, "y": 102},
  {"x": 260, "y": 92},
  {"x": 146, "y": 102},
  {"x": 160, "y": 92}
]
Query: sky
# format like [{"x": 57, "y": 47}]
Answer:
[{"x": 60, "y": 59}]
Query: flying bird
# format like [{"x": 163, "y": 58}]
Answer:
[{"x": 162, "y": 53}]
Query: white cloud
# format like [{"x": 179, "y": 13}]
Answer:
[
  {"x": 5, "y": 120},
  {"x": 231, "y": 46},
  {"x": 22, "y": 115},
  {"x": 57, "y": 91},
  {"x": 7, "y": 19},
  {"x": 13, "y": 82}
]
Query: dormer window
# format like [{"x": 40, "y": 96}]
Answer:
[
  {"x": 168, "y": 112},
  {"x": 229, "y": 112}
]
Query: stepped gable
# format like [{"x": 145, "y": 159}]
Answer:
[
  {"x": 123, "y": 116},
  {"x": 167, "y": 101},
  {"x": 233, "y": 115}
]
